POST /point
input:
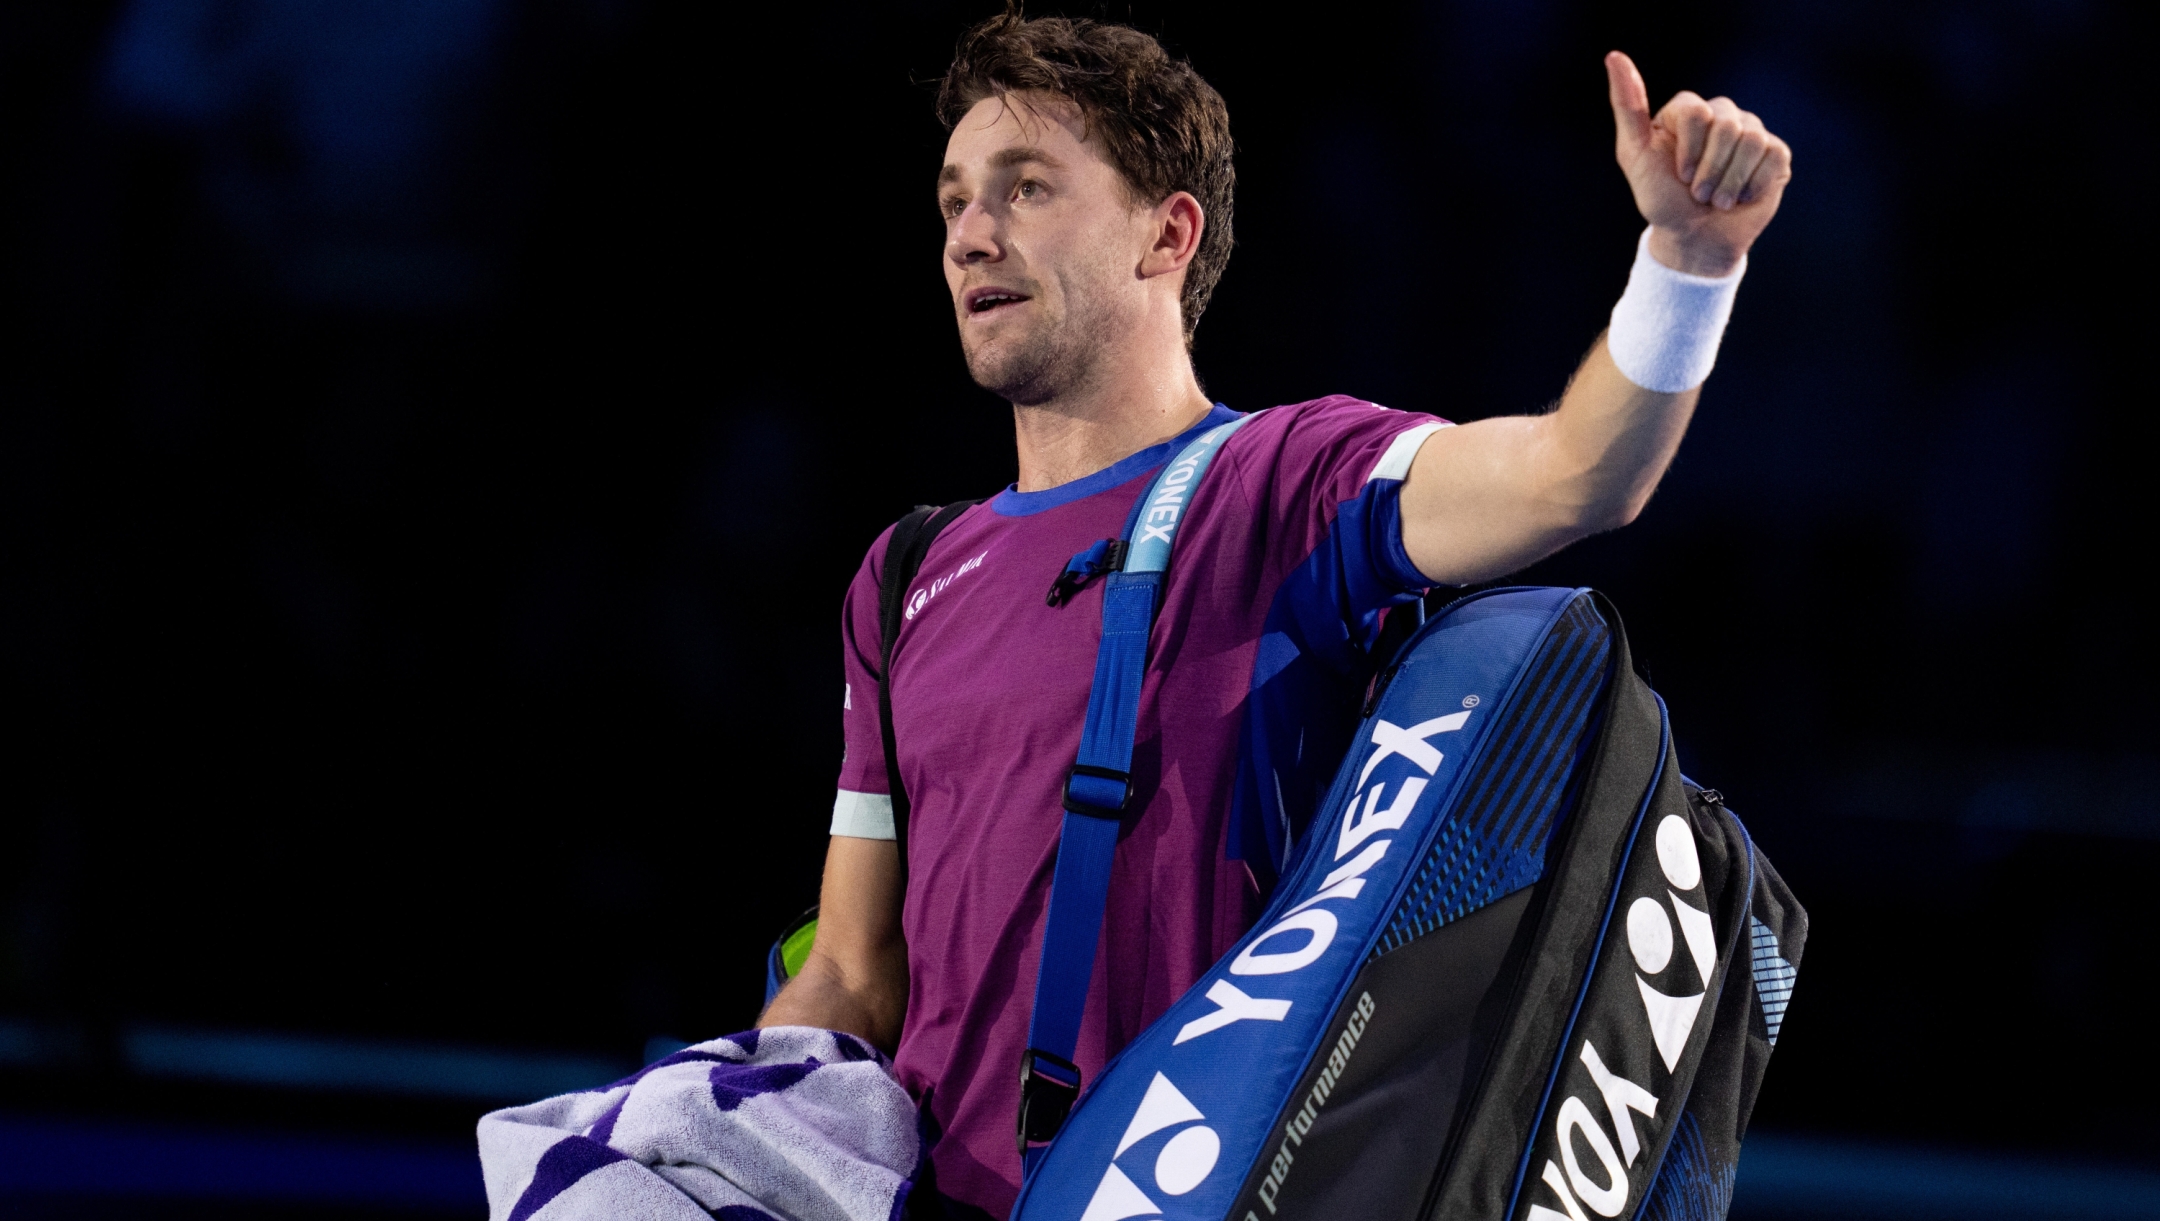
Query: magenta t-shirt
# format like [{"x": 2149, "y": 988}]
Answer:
[{"x": 1292, "y": 548}]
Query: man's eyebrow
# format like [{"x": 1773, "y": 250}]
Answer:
[
  {"x": 1005, "y": 159},
  {"x": 1021, "y": 154}
]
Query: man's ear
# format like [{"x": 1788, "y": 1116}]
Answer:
[{"x": 1177, "y": 224}]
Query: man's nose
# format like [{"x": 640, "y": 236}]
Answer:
[{"x": 974, "y": 237}]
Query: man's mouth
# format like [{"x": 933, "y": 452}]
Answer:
[{"x": 981, "y": 301}]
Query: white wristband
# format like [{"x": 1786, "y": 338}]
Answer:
[{"x": 1666, "y": 328}]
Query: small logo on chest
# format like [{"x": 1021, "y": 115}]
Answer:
[{"x": 921, "y": 597}]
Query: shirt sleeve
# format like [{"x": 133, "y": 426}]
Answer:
[
  {"x": 1332, "y": 494},
  {"x": 863, "y": 806},
  {"x": 1324, "y": 481}
]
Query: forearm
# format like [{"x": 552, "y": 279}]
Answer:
[
  {"x": 1607, "y": 446},
  {"x": 1495, "y": 496},
  {"x": 823, "y": 994},
  {"x": 856, "y": 977},
  {"x": 1489, "y": 498}
]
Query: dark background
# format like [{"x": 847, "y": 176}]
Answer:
[{"x": 435, "y": 436}]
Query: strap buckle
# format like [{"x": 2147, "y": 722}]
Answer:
[
  {"x": 1049, "y": 1085},
  {"x": 1102, "y": 557},
  {"x": 1086, "y": 791}
]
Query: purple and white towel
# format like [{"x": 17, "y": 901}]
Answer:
[{"x": 790, "y": 1123}]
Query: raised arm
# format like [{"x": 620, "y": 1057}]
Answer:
[
  {"x": 856, "y": 978},
  {"x": 1488, "y": 498}
]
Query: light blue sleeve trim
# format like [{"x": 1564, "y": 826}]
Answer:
[
  {"x": 863, "y": 815},
  {"x": 1395, "y": 463}
]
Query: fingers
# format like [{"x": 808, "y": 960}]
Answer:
[
  {"x": 1771, "y": 173},
  {"x": 1630, "y": 104},
  {"x": 1688, "y": 118},
  {"x": 1720, "y": 144},
  {"x": 1749, "y": 144},
  {"x": 1721, "y": 151}
]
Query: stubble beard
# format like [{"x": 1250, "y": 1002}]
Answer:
[{"x": 1054, "y": 358}]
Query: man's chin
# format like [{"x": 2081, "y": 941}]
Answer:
[{"x": 1025, "y": 376}]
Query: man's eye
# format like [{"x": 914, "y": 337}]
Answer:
[
  {"x": 952, "y": 207},
  {"x": 1027, "y": 190}
]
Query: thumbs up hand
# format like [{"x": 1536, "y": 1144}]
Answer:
[{"x": 1706, "y": 175}]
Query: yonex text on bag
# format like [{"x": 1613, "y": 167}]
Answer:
[{"x": 1498, "y": 980}]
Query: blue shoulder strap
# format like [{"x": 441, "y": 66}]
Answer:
[{"x": 1098, "y": 790}]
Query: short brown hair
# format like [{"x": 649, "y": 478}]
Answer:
[{"x": 1165, "y": 128}]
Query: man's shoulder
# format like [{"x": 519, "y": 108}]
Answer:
[
  {"x": 1331, "y": 414},
  {"x": 870, "y": 575},
  {"x": 872, "y": 567},
  {"x": 1326, "y": 408},
  {"x": 1312, "y": 431}
]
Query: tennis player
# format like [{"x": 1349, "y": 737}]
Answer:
[{"x": 1086, "y": 201}]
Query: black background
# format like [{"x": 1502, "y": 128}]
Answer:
[{"x": 434, "y": 438}]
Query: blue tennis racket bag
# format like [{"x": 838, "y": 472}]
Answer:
[{"x": 1519, "y": 968}]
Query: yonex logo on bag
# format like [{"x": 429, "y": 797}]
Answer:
[
  {"x": 1232, "y": 1005},
  {"x": 1166, "y": 501},
  {"x": 1272, "y": 953},
  {"x": 1606, "y": 1187},
  {"x": 1160, "y": 521},
  {"x": 1393, "y": 739},
  {"x": 1364, "y": 818},
  {"x": 1183, "y": 1162},
  {"x": 1650, "y": 938},
  {"x": 1162, "y": 513},
  {"x": 1186, "y": 1159}
]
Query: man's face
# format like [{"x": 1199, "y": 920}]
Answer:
[{"x": 1042, "y": 246}]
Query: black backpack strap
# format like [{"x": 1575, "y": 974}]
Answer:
[{"x": 904, "y": 552}]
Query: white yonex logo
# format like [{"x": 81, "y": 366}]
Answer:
[
  {"x": 1169, "y": 500},
  {"x": 1671, "y": 1019},
  {"x": 921, "y": 597},
  {"x": 1650, "y": 940},
  {"x": 1265, "y": 954},
  {"x": 1411, "y": 744},
  {"x": 1180, "y": 1165},
  {"x": 1186, "y": 1159},
  {"x": 1232, "y": 1005},
  {"x": 1160, "y": 521}
]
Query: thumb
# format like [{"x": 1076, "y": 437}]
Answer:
[{"x": 1630, "y": 104}]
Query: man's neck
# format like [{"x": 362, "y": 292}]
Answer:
[{"x": 1128, "y": 408}]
